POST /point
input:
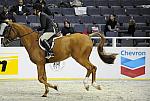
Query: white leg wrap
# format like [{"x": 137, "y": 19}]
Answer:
[
  {"x": 85, "y": 81},
  {"x": 94, "y": 84}
]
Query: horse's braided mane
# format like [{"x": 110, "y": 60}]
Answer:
[{"x": 24, "y": 27}]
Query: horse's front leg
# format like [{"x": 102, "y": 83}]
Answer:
[
  {"x": 46, "y": 91},
  {"x": 43, "y": 79},
  {"x": 46, "y": 87}
]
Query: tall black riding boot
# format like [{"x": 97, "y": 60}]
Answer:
[{"x": 47, "y": 47}]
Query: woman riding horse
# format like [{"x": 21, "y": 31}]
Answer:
[
  {"x": 77, "y": 46},
  {"x": 48, "y": 26}
]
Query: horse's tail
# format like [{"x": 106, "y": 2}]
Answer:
[{"x": 107, "y": 58}]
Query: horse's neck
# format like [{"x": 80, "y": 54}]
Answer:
[
  {"x": 27, "y": 36},
  {"x": 29, "y": 40}
]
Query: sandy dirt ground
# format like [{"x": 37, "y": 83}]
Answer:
[{"x": 116, "y": 90}]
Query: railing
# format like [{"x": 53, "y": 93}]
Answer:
[
  {"x": 0, "y": 41},
  {"x": 114, "y": 39}
]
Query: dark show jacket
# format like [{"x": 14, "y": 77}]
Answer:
[{"x": 46, "y": 23}]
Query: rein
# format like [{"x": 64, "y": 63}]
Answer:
[
  {"x": 26, "y": 34},
  {"x": 22, "y": 35}
]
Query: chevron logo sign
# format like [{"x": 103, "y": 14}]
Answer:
[{"x": 133, "y": 67}]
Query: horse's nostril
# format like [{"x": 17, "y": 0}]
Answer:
[{"x": 6, "y": 42}]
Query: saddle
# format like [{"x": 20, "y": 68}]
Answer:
[{"x": 50, "y": 42}]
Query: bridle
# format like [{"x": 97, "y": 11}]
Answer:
[{"x": 7, "y": 32}]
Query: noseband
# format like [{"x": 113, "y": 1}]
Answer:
[{"x": 7, "y": 31}]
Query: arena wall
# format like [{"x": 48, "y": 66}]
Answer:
[{"x": 131, "y": 63}]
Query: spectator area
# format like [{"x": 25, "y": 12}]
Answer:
[{"x": 97, "y": 13}]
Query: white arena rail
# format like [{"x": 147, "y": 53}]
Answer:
[
  {"x": 114, "y": 39},
  {"x": 0, "y": 41}
]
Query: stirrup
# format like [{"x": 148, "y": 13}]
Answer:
[
  {"x": 49, "y": 55},
  {"x": 52, "y": 54}
]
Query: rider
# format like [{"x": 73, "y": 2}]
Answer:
[{"x": 48, "y": 26}]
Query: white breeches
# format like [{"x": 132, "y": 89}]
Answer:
[
  {"x": 47, "y": 35},
  {"x": 2, "y": 28}
]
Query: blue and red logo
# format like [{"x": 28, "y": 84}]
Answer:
[{"x": 132, "y": 67}]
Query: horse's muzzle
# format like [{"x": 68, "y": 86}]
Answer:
[{"x": 6, "y": 42}]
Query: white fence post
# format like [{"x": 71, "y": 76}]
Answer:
[{"x": 114, "y": 42}]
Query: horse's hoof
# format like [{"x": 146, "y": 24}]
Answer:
[
  {"x": 87, "y": 88},
  {"x": 44, "y": 96},
  {"x": 56, "y": 88},
  {"x": 98, "y": 88}
]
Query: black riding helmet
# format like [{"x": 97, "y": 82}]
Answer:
[{"x": 37, "y": 7}]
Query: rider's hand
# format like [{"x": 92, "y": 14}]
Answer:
[{"x": 59, "y": 34}]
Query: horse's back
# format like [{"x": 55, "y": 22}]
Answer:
[
  {"x": 80, "y": 39},
  {"x": 74, "y": 44},
  {"x": 74, "y": 40}
]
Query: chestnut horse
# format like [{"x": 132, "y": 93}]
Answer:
[{"x": 77, "y": 46}]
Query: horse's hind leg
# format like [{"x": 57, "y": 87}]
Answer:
[
  {"x": 94, "y": 78},
  {"x": 84, "y": 61},
  {"x": 90, "y": 67},
  {"x": 43, "y": 79}
]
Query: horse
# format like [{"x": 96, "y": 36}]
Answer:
[{"x": 77, "y": 45}]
